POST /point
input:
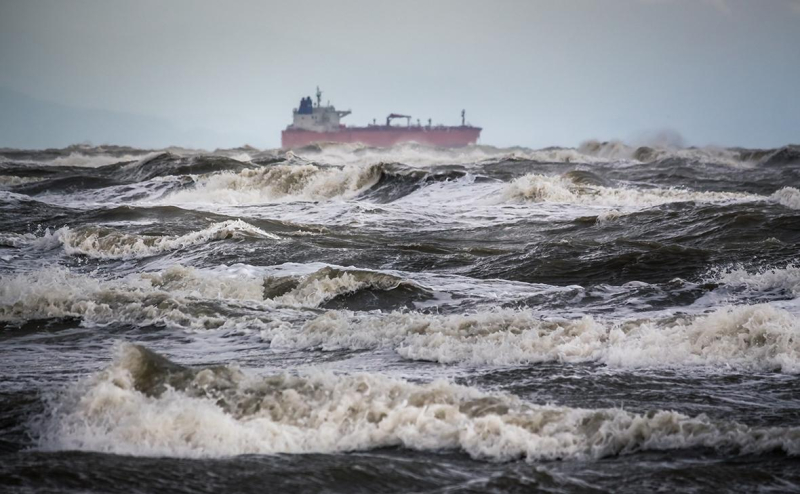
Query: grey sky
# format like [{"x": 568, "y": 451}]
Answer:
[{"x": 532, "y": 73}]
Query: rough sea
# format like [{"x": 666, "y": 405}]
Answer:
[{"x": 345, "y": 319}]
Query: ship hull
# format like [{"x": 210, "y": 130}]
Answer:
[{"x": 381, "y": 136}]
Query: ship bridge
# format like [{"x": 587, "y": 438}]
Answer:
[{"x": 317, "y": 118}]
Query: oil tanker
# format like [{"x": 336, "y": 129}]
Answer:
[{"x": 314, "y": 123}]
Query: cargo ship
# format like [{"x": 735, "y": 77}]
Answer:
[{"x": 315, "y": 123}]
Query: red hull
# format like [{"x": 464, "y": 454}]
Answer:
[{"x": 385, "y": 136}]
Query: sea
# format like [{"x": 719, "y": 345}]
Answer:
[{"x": 339, "y": 318}]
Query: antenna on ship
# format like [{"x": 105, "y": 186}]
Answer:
[
  {"x": 319, "y": 97},
  {"x": 462, "y": 117}
]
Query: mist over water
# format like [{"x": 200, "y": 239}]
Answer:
[{"x": 609, "y": 317}]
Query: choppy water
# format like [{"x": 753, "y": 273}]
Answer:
[{"x": 343, "y": 319}]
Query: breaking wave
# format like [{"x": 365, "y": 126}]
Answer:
[
  {"x": 788, "y": 196},
  {"x": 734, "y": 157},
  {"x": 757, "y": 337},
  {"x": 780, "y": 280},
  {"x": 92, "y": 160},
  {"x": 380, "y": 182},
  {"x": 781, "y": 156},
  {"x": 163, "y": 164},
  {"x": 762, "y": 337},
  {"x": 566, "y": 189},
  {"x": 280, "y": 182},
  {"x": 591, "y": 151},
  {"x": 339, "y": 288},
  {"x": 176, "y": 296},
  {"x": 420, "y": 155},
  {"x": 7, "y": 181},
  {"x": 16, "y": 239},
  {"x": 146, "y": 405},
  {"x": 105, "y": 243},
  {"x": 616, "y": 150}
]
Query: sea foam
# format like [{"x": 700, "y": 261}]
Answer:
[
  {"x": 145, "y": 405},
  {"x": 104, "y": 243},
  {"x": 305, "y": 182},
  {"x": 562, "y": 189},
  {"x": 787, "y": 196},
  {"x": 746, "y": 337}
]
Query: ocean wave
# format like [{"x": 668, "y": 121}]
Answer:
[
  {"x": 588, "y": 152},
  {"x": 7, "y": 181},
  {"x": 105, "y": 243},
  {"x": 380, "y": 182},
  {"x": 787, "y": 196},
  {"x": 340, "y": 154},
  {"x": 176, "y": 297},
  {"x": 8, "y": 198},
  {"x": 759, "y": 337},
  {"x": 421, "y": 156},
  {"x": 782, "y": 156},
  {"x": 92, "y": 160},
  {"x": 338, "y": 288},
  {"x": 16, "y": 240},
  {"x": 786, "y": 279},
  {"x": 164, "y": 164},
  {"x": 564, "y": 189},
  {"x": 146, "y": 405},
  {"x": 617, "y": 150},
  {"x": 608, "y": 216},
  {"x": 280, "y": 182},
  {"x": 748, "y": 337}
]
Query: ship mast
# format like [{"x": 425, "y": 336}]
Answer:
[{"x": 319, "y": 97}]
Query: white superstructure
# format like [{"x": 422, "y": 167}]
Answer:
[{"x": 317, "y": 118}]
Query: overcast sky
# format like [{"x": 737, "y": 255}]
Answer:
[{"x": 531, "y": 73}]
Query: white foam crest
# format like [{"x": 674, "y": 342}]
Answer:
[
  {"x": 616, "y": 150},
  {"x": 166, "y": 298},
  {"x": 560, "y": 189},
  {"x": 314, "y": 291},
  {"x": 787, "y": 196},
  {"x": 775, "y": 279},
  {"x": 131, "y": 168},
  {"x": 709, "y": 154},
  {"x": 218, "y": 412},
  {"x": 758, "y": 337},
  {"x": 560, "y": 155},
  {"x": 542, "y": 188},
  {"x": 173, "y": 297},
  {"x": 243, "y": 157},
  {"x": 417, "y": 155},
  {"x": 16, "y": 239},
  {"x": 327, "y": 283},
  {"x": 94, "y": 160},
  {"x": 609, "y": 216},
  {"x": 13, "y": 180},
  {"x": 280, "y": 182},
  {"x": 7, "y": 196},
  {"x": 110, "y": 244},
  {"x": 408, "y": 154},
  {"x": 50, "y": 239},
  {"x": 610, "y": 150}
]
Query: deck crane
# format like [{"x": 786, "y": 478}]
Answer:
[{"x": 397, "y": 115}]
